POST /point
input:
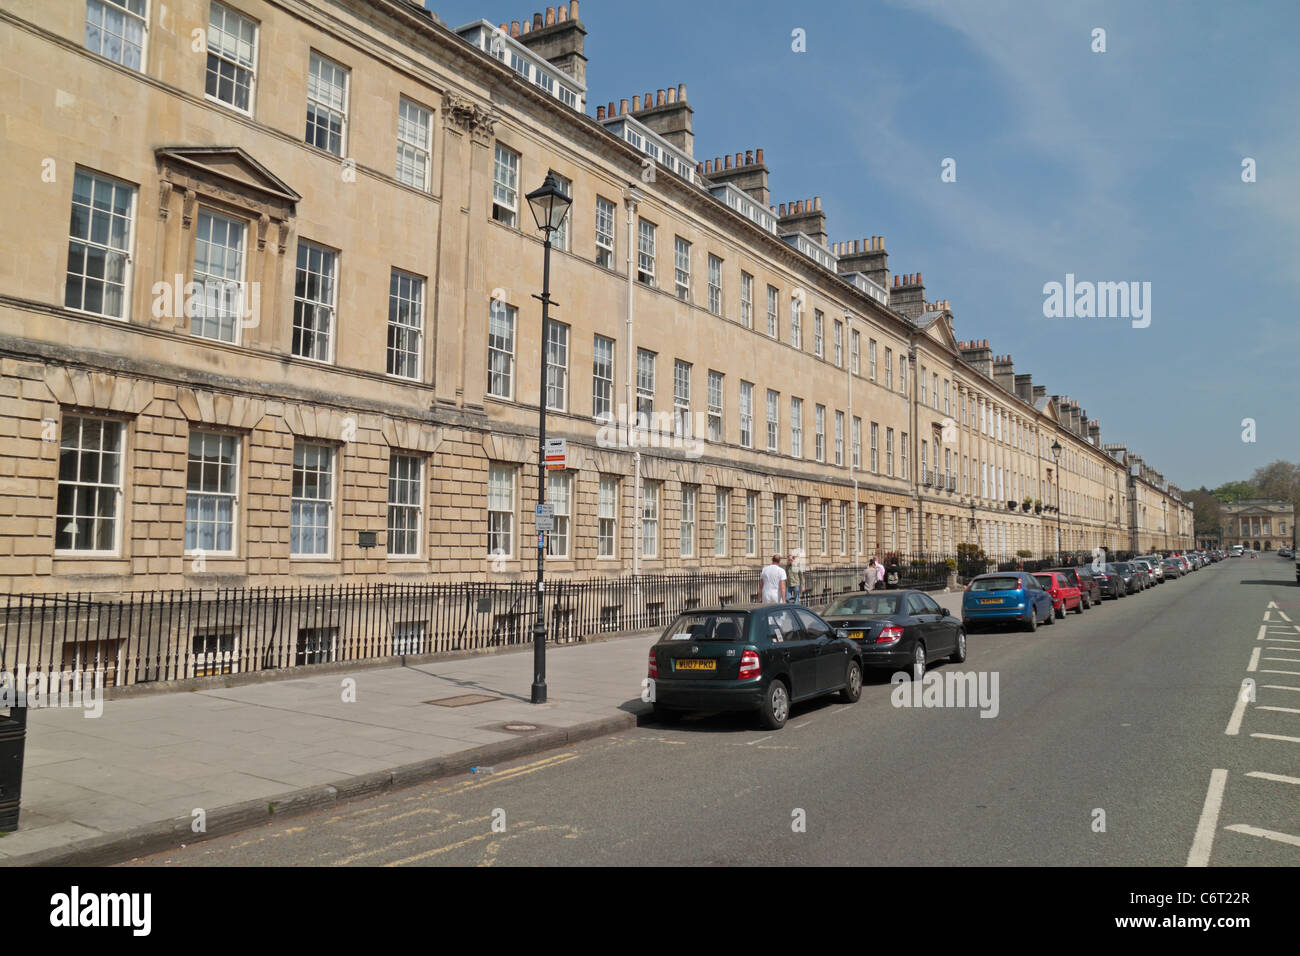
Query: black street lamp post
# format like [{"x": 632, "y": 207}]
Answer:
[
  {"x": 550, "y": 205},
  {"x": 1056, "y": 454}
]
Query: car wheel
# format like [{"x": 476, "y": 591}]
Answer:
[
  {"x": 1032, "y": 624},
  {"x": 1051, "y": 616},
  {"x": 776, "y": 705},
  {"x": 852, "y": 684},
  {"x": 666, "y": 715},
  {"x": 918, "y": 662},
  {"x": 1086, "y": 602},
  {"x": 1059, "y": 613},
  {"x": 1078, "y": 608},
  {"x": 959, "y": 655}
]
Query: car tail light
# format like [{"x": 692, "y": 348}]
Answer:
[
  {"x": 654, "y": 664},
  {"x": 891, "y": 634},
  {"x": 750, "y": 665}
]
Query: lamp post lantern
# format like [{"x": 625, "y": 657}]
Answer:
[
  {"x": 550, "y": 205},
  {"x": 1056, "y": 454}
]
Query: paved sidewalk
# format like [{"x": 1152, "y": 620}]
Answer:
[{"x": 127, "y": 783}]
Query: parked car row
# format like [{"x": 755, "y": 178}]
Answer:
[
  {"x": 1045, "y": 597},
  {"x": 767, "y": 657}
]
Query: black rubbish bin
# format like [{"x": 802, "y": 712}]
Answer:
[{"x": 13, "y": 742}]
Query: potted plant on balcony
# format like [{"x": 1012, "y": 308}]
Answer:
[
  {"x": 1038, "y": 507},
  {"x": 1027, "y": 504}
]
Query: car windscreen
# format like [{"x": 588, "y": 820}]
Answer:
[
  {"x": 729, "y": 626},
  {"x": 864, "y": 604},
  {"x": 995, "y": 584}
]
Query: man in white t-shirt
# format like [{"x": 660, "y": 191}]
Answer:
[{"x": 773, "y": 582}]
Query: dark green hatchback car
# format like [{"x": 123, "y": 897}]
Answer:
[{"x": 761, "y": 657}]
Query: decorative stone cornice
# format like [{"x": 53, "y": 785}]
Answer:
[
  {"x": 511, "y": 448},
  {"x": 304, "y": 421},
  {"x": 411, "y": 436}
]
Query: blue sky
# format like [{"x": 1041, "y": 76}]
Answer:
[{"x": 1117, "y": 166}]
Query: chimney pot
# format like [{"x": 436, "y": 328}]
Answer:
[
  {"x": 600, "y": 112},
  {"x": 739, "y": 160},
  {"x": 717, "y": 164},
  {"x": 524, "y": 28},
  {"x": 537, "y": 21},
  {"x": 681, "y": 92},
  {"x": 708, "y": 165},
  {"x": 660, "y": 97},
  {"x": 895, "y": 282},
  {"x": 699, "y": 167},
  {"x": 758, "y": 156},
  {"x": 749, "y": 156},
  {"x": 672, "y": 94},
  {"x": 726, "y": 161},
  {"x": 550, "y": 16},
  {"x": 782, "y": 210},
  {"x": 649, "y": 99},
  {"x": 561, "y": 14},
  {"x": 610, "y": 111},
  {"x": 573, "y": 9},
  {"x": 622, "y": 106},
  {"x": 636, "y": 104},
  {"x": 505, "y": 29},
  {"x": 514, "y": 28}
]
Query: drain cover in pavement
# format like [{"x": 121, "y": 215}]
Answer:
[
  {"x": 464, "y": 700},
  {"x": 518, "y": 727}
]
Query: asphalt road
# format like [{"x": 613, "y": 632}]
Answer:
[{"x": 1113, "y": 744}]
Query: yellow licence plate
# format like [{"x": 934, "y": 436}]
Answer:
[
  {"x": 857, "y": 635},
  {"x": 991, "y": 601},
  {"x": 691, "y": 665}
]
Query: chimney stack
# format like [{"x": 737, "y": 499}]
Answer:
[
  {"x": 909, "y": 296},
  {"x": 978, "y": 356},
  {"x": 869, "y": 257},
  {"x": 749, "y": 176},
  {"x": 670, "y": 117},
  {"x": 559, "y": 39},
  {"x": 1004, "y": 373},
  {"x": 806, "y": 216},
  {"x": 1025, "y": 388}
]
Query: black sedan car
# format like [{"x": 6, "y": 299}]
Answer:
[
  {"x": 761, "y": 657},
  {"x": 899, "y": 630},
  {"x": 1128, "y": 576}
]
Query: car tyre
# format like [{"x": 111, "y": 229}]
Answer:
[
  {"x": 959, "y": 655},
  {"x": 852, "y": 683},
  {"x": 1032, "y": 624},
  {"x": 1059, "y": 613},
  {"x": 1051, "y": 616},
  {"x": 919, "y": 662},
  {"x": 1078, "y": 608},
  {"x": 776, "y": 705}
]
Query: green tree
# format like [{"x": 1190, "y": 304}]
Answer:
[
  {"x": 1207, "y": 512},
  {"x": 1235, "y": 491}
]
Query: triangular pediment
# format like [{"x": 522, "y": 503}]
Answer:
[{"x": 229, "y": 164}]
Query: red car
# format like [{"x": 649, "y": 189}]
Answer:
[{"x": 1065, "y": 596}]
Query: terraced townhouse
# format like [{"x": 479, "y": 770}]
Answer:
[{"x": 269, "y": 318}]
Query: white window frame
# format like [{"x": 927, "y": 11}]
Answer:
[
  {"x": 715, "y": 284},
  {"x": 405, "y": 326},
  {"x": 746, "y": 300},
  {"x": 751, "y": 524},
  {"x": 414, "y": 153},
  {"x": 819, "y": 433},
  {"x": 602, "y": 378},
  {"x": 839, "y": 439},
  {"x": 121, "y": 8},
  {"x": 505, "y": 186},
  {"x": 746, "y": 414},
  {"x": 212, "y": 494},
  {"x": 326, "y": 279},
  {"x": 796, "y": 427},
  {"x": 645, "y": 386},
  {"x": 650, "y": 519},
  {"x": 819, "y": 341},
  {"x": 557, "y": 366},
  {"x": 773, "y": 421},
  {"x": 405, "y": 499},
  {"x": 773, "y": 312},
  {"x": 331, "y": 103},
  {"x": 108, "y": 252},
  {"x": 717, "y": 382},
  {"x": 690, "y": 499},
  {"x": 298, "y": 498},
  {"x": 645, "y": 252},
  {"x": 721, "y": 506},
  {"x": 607, "y": 518},
  {"x": 682, "y": 398},
  {"x": 501, "y": 510},
  {"x": 234, "y": 59},
  {"x": 113, "y": 489},
  {"x": 505, "y": 318},
  {"x": 605, "y": 232},
  {"x": 559, "y": 495},
  {"x": 682, "y": 268}
]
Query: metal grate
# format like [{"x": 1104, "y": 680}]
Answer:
[{"x": 463, "y": 700}]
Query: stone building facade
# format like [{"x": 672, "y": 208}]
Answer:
[
  {"x": 1261, "y": 524},
  {"x": 235, "y": 353}
]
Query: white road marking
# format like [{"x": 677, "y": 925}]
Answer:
[
  {"x": 1204, "y": 840},
  {"x": 1267, "y": 671},
  {"x": 1280, "y": 640},
  {"x": 1294, "y": 740},
  {"x": 1282, "y": 615},
  {"x": 1263, "y": 629},
  {"x": 1254, "y": 660},
  {"x": 1280, "y": 687},
  {"x": 1284, "y": 710},
  {"x": 1266, "y": 834},
  {"x": 1283, "y": 660},
  {"x": 1238, "y": 711},
  {"x": 1279, "y": 778},
  {"x": 759, "y": 740}
]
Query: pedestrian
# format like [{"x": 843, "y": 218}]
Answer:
[
  {"x": 869, "y": 577},
  {"x": 772, "y": 582},
  {"x": 794, "y": 578},
  {"x": 880, "y": 574},
  {"x": 891, "y": 573}
]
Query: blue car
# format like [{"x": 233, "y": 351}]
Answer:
[{"x": 1009, "y": 597}]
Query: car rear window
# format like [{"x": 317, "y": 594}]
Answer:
[
  {"x": 995, "y": 584},
  {"x": 1044, "y": 579},
  {"x": 864, "y": 604},
  {"x": 731, "y": 626}
]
